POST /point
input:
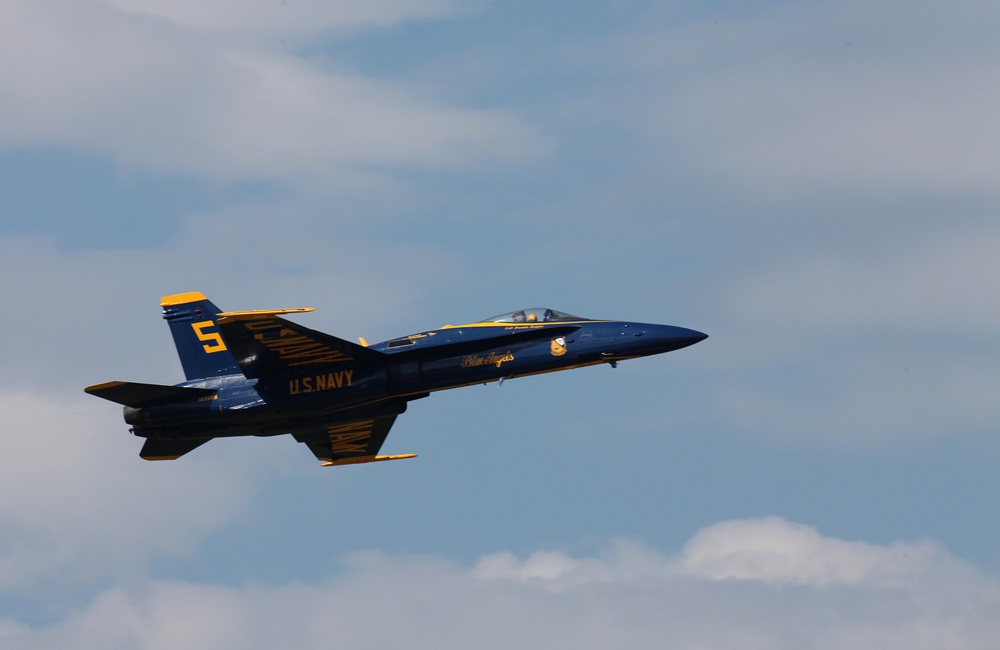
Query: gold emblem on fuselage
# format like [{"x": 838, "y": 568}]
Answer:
[
  {"x": 558, "y": 347},
  {"x": 492, "y": 359}
]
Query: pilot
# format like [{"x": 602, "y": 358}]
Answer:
[{"x": 532, "y": 317}]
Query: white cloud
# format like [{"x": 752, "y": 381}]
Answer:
[
  {"x": 542, "y": 565},
  {"x": 754, "y": 583},
  {"x": 168, "y": 97},
  {"x": 773, "y": 550},
  {"x": 862, "y": 95},
  {"x": 77, "y": 504}
]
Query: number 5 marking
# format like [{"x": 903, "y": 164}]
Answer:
[{"x": 217, "y": 344}]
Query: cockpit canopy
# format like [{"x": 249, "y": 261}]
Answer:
[{"x": 534, "y": 315}]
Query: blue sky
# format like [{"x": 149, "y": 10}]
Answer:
[{"x": 814, "y": 185}]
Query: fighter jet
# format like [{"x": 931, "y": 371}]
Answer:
[{"x": 254, "y": 373}]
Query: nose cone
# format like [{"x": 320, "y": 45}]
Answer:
[
  {"x": 674, "y": 338},
  {"x": 657, "y": 339}
]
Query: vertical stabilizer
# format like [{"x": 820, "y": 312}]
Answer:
[{"x": 200, "y": 346}]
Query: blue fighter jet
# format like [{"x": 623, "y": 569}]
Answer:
[{"x": 254, "y": 373}]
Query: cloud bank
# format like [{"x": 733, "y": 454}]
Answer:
[
  {"x": 757, "y": 583},
  {"x": 793, "y": 98},
  {"x": 213, "y": 91}
]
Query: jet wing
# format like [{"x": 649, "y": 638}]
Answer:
[
  {"x": 266, "y": 345},
  {"x": 350, "y": 443},
  {"x": 136, "y": 395}
]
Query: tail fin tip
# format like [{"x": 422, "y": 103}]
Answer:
[{"x": 182, "y": 298}]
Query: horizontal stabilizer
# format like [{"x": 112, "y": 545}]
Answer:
[
  {"x": 354, "y": 460},
  {"x": 136, "y": 395},
  {"x": 169, "y": 448}
]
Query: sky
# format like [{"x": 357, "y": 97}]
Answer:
[{"x": 814, "y": 185}]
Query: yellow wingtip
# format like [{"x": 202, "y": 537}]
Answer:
[
  {"x": 260, "y": 313},
  {"x": 355, "y": 460},
  {"x": 98, "y": 387}
]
